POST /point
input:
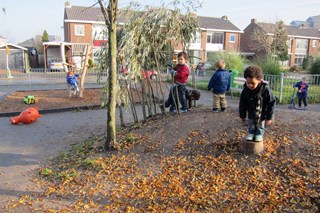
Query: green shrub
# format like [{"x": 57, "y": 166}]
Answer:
[
  {"x": 269, "y": 65},
  {"x": 233, "y": 60},
  {"x": 295, "y": 68},
  {"x": 314, "y": 67},
  {"x": 307, "y": 62}
]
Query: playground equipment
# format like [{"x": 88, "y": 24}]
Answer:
[
  {"x": 78, "y": 50},
  {"x": 27, "y": 116},
  {"x": 30, "y": 99},
  {"x": 70, "y": 54}
]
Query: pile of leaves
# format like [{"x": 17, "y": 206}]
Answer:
[{"x": 202, "y": 170}]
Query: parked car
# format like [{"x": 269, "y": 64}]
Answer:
[
  {"x": 202, "y": 68},
  {"x": 56, "y": 65}
]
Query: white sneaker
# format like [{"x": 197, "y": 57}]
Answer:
[
  {"x": 259, "y": 138},
  {"x": 249, "y": 137}
]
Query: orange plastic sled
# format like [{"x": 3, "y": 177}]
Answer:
[{"x": 27, "y": 116}]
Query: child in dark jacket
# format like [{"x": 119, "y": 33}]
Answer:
[
  {"x": 302, "y": 91},
  {"x": 258, "y": 101},
  {"x": 181, "y": 74},
  {"x": 219, "y": 84}
]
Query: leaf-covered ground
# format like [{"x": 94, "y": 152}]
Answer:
[{"x": 187, "y": 163}]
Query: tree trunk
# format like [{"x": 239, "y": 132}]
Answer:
[
  {"x": 111, "y": 21},
  {"x": 84, "y": 69}
]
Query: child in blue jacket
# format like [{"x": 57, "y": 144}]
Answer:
[
  {"x": 72, "y": 81},
  {"x": 220, "y": 84},
  {"x": 302, "y": 91}
]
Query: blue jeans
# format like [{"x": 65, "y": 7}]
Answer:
[
  {"x": 173, "y": 97},
  {"x": 256, "y": 128},
  {"x": 304, "y": 99}
]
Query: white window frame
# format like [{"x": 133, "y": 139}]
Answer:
[
  {"x": 213, "y": 38},
  {"x": 79, "y": 30},
  {"x": 314, "y": 43},
  {"x": 198, "y": 37},
  {"x": 234, "y": 38}
]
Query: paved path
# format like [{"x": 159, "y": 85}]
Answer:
[{"x": 24, "y": 147}]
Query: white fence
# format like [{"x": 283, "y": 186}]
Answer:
[{"x": 42, "y": 76}]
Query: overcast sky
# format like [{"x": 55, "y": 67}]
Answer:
[{"x": 23, "y": 19}]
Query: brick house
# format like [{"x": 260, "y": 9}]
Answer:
[
  {"x": 302, "y": 41},
  {"x": 214, "y": 35},
  {"x": 84, "y": 25}
]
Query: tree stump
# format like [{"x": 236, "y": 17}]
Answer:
[{"x": 251, "y": 147}]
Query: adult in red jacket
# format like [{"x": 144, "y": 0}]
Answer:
[{"x": 181, "y": 74}]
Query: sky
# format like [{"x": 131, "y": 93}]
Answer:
[{"x": 21, "y": 20}]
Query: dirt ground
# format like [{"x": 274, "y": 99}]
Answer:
[
  {"x": 49, "y": 99},
  {"x": 186, "y": 162}
]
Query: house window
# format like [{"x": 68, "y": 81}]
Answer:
[
  {"x": 232, "y": 38},
  {"x": 198, "y": 37},
  {"x": 289, "y": 44},
  {"x": 298, "y": 59},
  {"x": 217, "y": 38},
  {"x": 208, "y": 38},
  {"x": 301, "y": 46},
  {"x": 314, "y": 43},
  {"x": 79, "y": 30}
]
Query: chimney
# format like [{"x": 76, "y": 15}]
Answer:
[
  {"x": 225, "y": 18},
  {"x": 253, "y": 21},
  {"x": 67, "y": 4}
]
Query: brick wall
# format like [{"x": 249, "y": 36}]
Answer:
[
  {"x": 232, "y": 46},
  {"x": 293, "y": 52},
  {"x": 203, "y": 45},
  {"x": 313, "y": 50},
  {"x": 87, "y": 38}
]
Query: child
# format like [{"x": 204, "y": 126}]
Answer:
[
  {"x": 219, "y": 84},
  {"x": 72, "y": 81},
  {"x": 302, "y": 91},
  {"x": 258, "y": 101},
  {"x": 181, "y": 74}
]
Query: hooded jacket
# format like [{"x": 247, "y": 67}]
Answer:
[{"x": 248, "y": 102}]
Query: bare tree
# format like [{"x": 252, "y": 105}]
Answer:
[
  {"x": 260, "y": 42},
  {"x": 279, "y": 44},
  {"x": 110, "y": 16}
]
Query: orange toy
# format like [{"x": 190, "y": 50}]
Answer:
[{"x": 27, "y": 116}]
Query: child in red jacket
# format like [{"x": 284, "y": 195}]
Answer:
[{"x": 181, "y": 74}]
